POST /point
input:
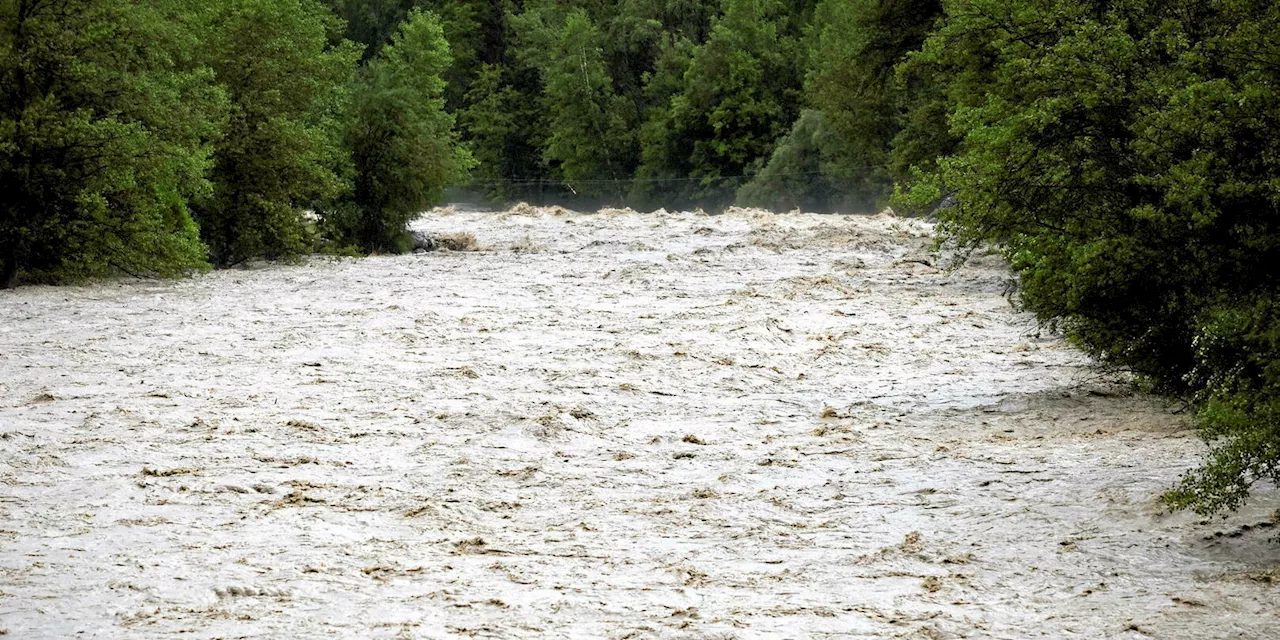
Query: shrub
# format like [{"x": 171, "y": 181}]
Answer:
[
  {"x": 103, "y": 141},
  {"x": 1123, "y": 157},
  {"x": 404, "y": 149}
]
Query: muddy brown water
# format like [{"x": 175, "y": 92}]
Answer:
[{"x": 615, "y": 425}]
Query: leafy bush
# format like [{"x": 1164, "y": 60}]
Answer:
[
  {"x": 402, "y": 142},
  {"x": 1123, "y": 156},
  {"x": 1237, "y": 375},
  {"x": 738, "y": 94},
  {"x": 103, "y": 139},
  {"x": 281, "y": 148},
  {"x": 588, "y": 136},
  {"x": 855, "y": 46}
]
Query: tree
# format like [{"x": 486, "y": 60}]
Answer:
[
  {"x": 687, "y": 19},
  {"x": 370, "y": 23},
  {"x": 103, "y": 140},
  {"x": 739, "y": 95},
  {"x": 589, "y": 139},
  {"x": 500, "y": 125},
  {"x": 478, "y": 37},
  {"x": 812, "y": 170},
  {"x": 662, "y": 177},
  {"x": 288, "y": 88},
  {"x": 1123, "y": 156},
  {"x": 855, "y": 47},
  {"x": 404, "y": 148}
]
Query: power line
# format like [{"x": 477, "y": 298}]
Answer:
[{"x": 592, "y": 181}]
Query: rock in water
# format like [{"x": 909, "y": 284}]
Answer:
[{"x": 423, "y": 242}]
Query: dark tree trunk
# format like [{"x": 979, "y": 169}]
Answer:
[{"x": 8, "y": 269}]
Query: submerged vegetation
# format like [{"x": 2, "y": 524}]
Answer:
[{"x": 1123, "y": 155}]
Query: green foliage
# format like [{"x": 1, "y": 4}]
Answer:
[
  {"x": 499, "y": 126},
  {"x": 573, "y": 98},
  {"x": 404, "y": 148},
  {"x": 855, "y": 47},
  {"x": 103, "y": 131},
  {"x": 739, "y": 95},
  {"x": 475, "y": 30},
  {"x": 588, "y": 126},
  {"x": 811, "y": 169},
  {"x": 281, "y": 149},
  {"x": 371, "y": 24},
  {"x": 476, "y": 33},
  {"x": 684, "y": 19},
  {"x": 1238, "y": 373},
  {"x": 1123, "y": 156},
  {"x": 665, "y": 162}
]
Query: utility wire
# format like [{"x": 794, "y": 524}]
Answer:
[{"x": 559, "y": 182}]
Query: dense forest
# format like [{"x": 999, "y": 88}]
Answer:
[{"x": 1122, "y": 155}]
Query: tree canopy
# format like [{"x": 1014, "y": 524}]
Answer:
[
  {"x": 1123, "y": 156},
  {"x": 402, "y": 142},
  {"x": 104, "y": 140},
  {"x": 289, "y": 89}
]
